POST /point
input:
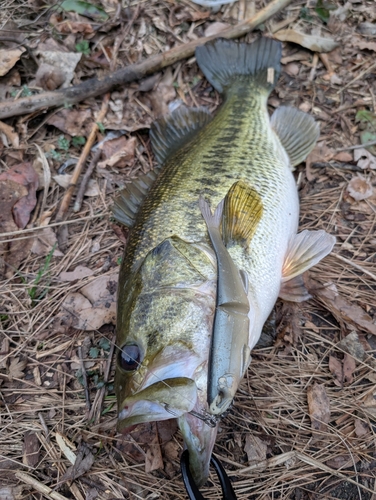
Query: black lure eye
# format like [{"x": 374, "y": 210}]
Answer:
[{"x": 130, "y": 357}]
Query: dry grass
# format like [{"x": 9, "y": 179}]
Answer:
[{"x": 44, "y": 396}]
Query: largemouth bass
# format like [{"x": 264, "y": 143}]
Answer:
[{"x": 168, "y": 278}]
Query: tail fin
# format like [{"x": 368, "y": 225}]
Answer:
[{"x": 224, "y": 61}]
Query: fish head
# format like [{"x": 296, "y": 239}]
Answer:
[{"x": 164, "y": 327}]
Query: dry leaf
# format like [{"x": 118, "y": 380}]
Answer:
[
  {"x": 10, "y": 134},
  {"x": 66, "y": 446},
  {"x": 30, "y": 449},
  {"x": 215, "y": 28},
  {"x": 8, "y": 58},
  {"x": 16, "y": 368},
  {"x": 43, "y": 242},
  {"x": 78, "y": 273},
  {"x": 311, "y": 42},
  {"x": 343, "y": 156},
  {"x": 75, "y": 122},
  {"x": 360, "y": 188},
  {"x": 118, "y": 152},
  {"x": 342, "y": 461},
  {"x": 361, "y": 428},
  {"x": 365, "y": 45},
  {"x": 153, "y": 457},
  {"x": 341, "y": 308},
  {"x": 163, "y": 94},
  {"x": 319, "y": 409},
  {"x": 63, "y": 62},
  {"x": 83, "y": 462},
  {"x": 353, "y": 346},
  {"x": 64, "y": 180},
  {"x": 48, "y": 77},
  {"x": 255, "y": 448},
  {"x": 349, "y": 366},
  {"x": 364, "y": 158},
  {"x": 335, "y": 367},
  {"x": 24, "y": 175},
  {"x": 94, "y": 305}
]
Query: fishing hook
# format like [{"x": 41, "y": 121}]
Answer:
[{"x": 190, "y": 485}]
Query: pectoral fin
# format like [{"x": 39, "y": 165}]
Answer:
[
  {"x": 297, "y": 131},
  {"x": 305, "y": 250},
  {"x": 242, "y": 212}
]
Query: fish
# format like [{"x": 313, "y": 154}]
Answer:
[{"x": 172, "y": 267}]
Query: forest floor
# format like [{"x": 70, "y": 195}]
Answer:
[{"x": 303, "y": 423}]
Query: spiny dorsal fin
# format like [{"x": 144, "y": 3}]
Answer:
[
  {"x": 129, "y": 200},
  {"x": 297, "y": 131},
  {"x": 224, "y": 61},
  {"x": 242, "y": 212},
  {"x": 172, "y": 132}
]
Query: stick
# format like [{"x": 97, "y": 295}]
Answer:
[
  {"x": 94, "y": 87},
  {"x": 85, "y": 180},
  {"x": 42, "y": 488},
  {"x": 81, "y": 162}
]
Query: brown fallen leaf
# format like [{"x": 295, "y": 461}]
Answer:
[
  {"x": 31, "y": 447},
  {"x": 361, "y": 428},
  {"x": 64, "y": 181},
  {"x": 162, "y": 94},
  {"x": 364, "y": 158},
  {"x": 93, "y": 305},
  {"x": 349, "y": 366},
  {"x": 311, "y": 42},
  {"x": 342, "y": 461},
  {"x": 153, "y": 457},
  {"x": 16, "y": 368},
  {"x": 342, "y": 309},
  {"x": 10, "y": 134},
  {"x": 77, "y": 274},
  {"x": 255, "y": 448},
  {"x": 8, "y": 58},
  {"x": 64, "y": 62},
  {"x": 72, "y": 121},
  {"x": 48, "y": 77},
  {"x": 24, "y": 175},
  {"x": 215, "y": 28},
  {"x": 335, "y": 367},
  {"x": 43, "y": 242},
  {"x": 83, "y": 463},
  {"x": 319, "y": 409},
  {"x": 118, "y": 152}
]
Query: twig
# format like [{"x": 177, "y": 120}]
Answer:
[
  {"x": 84, "y": 378},
  {"x": 42, "y": 488},
  {"x": 78, "y": 168},
  {"x": 94, "y": 87},
  {"x": 358, "y": 146},
  {"x": 101, "y": 393},
  {"x": 356, "y": 266},
  {"x": 85, "y": 180}
]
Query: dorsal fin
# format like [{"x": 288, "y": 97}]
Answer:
[
  {"x": 129, "y": 200},
  {"x": 242, "y": 212},
  {"x": 297, "y": 131},
  {"x": 172, "y": 132}
]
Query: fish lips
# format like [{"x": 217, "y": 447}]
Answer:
[{"x": 163, "y": 400}]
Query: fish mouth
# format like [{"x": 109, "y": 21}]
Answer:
[{"x": 163, "y": 400}]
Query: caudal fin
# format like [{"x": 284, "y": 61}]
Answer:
[{"x": 224, "y": 61}]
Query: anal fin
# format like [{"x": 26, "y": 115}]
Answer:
[
  {"x": 297, "y": 131},
  {"x": 242, "y": 212}
]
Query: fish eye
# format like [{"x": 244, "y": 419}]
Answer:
[{"x": 129, "y": 357}]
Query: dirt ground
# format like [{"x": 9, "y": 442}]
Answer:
[{"x": 303, "y": 423}]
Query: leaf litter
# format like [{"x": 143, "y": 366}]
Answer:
[{"x": 314, "y": 385}]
